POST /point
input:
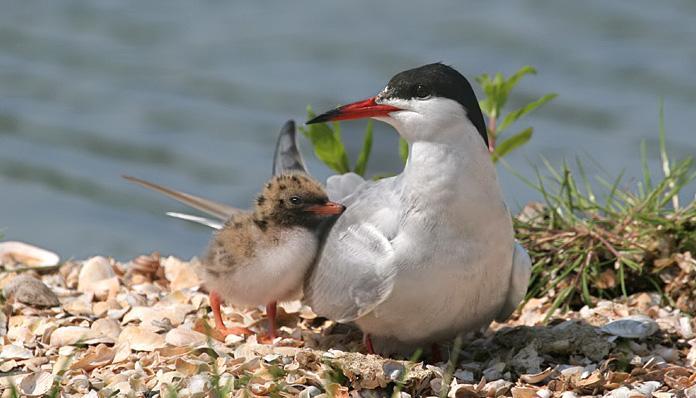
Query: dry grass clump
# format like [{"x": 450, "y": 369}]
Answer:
[{"x": 586, "y": 247}]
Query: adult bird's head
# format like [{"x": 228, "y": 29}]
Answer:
[{"x": 432, "y": 103}]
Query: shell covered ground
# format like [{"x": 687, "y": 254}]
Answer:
[{"x": 102, "y": 328}]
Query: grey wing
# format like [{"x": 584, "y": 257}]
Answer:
[
  {"x": 287, "y": 156},
  {"x": 355, "y": 270},
  {"x": 519, "y": 280},
  {"x": 218, "y": 210}
]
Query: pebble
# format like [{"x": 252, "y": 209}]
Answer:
[{"x": 30, "y": 291}]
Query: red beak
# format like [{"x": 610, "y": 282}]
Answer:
[
  {"x": 356, "y": 110},
  {"x": 327, "y": 209}
]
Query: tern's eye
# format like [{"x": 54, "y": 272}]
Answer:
[
  {"x": 422, "y": 92},
  {"x": 296, "y": 200}
]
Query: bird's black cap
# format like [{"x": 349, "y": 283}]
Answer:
[{"x": 437, "y": 80}]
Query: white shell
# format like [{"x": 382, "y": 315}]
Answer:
[
  {"x": 36, "y": 384},
  {"x": 632, "y": 327},
  {"x": 18, "y": 252}
]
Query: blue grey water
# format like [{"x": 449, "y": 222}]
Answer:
[{"x": 192, "y": 94}]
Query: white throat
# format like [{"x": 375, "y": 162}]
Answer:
[{"x": 453, "y": 176}]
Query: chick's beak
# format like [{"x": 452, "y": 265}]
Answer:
[
  {"x": 326, "y": 209},
  {"x": 356, "y": 110}
]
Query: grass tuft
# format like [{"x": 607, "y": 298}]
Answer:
[{"x": 584, "y": 246}]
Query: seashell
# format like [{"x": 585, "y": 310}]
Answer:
[
  {"x": 188, "y": 367},
  {"x": 141, "y": 339},
  {"x": 23, "y": 253},
  {"x": 100, "y": 309},
  {"x": 122, "y": 350},
  {"x": 592, "y": 381},
  {"x": 309, "y": 392},
  {"x": 497, "y": 388},
  {"x": 621, "y": 392},
  {"x": 524, "y": 392},
  {"x": 544, "y": 393},
  {"x": 12, "y": 351},
  {"x": 107, "y": 327},
  {"x": 631, "y": 327},
  {"x": 6, "y": 366},
  {"x": 147, "y": 315},
  {"x": 94, "y": 270},
  {"x": 647, "y": 388},
  {"x": 180, "y": 274},
  {"x": 393, "y": 370},
  {"x": 36, "y": 384},
  {"x": 95, "y": 357},
  {"x": 71, "y": 335},
  {"x": 197, "y": 384},
  {"x": 181, "y": 337},
  {"x": 81, "y": 305},
  {"x": 147, "y": 263},
  {"x": 30, "y": 291},
  {"x": 3, "y": 324},
  {"x": 690, "y": 392},
  {"x": 537, "y": 377}
]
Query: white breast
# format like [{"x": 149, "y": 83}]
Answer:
[
  {"x": 453, "y": 251},
  {"x": 276, "y": 273}
]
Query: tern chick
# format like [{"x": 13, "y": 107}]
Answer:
[{"x": 261, "y": 257}]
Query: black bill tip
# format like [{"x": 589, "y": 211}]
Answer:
[{"x": 325, "y": 117}]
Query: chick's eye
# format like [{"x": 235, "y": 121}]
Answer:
[
  {"x": 296, "y": 200},
  {"x": 422, "y": 92}
]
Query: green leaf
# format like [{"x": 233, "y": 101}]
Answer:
[
  {"x": 511, "y": 143},
  {"x": 515, "y": 115},
  {"x": 515, "y": 78},
  {"x": 327, "y": 144},
  {"x": 403, "y": 149},
  {"x": 361, "y": 163},
  {"x": 498, "y": 89},
  {"x": 647, "y": 177}
]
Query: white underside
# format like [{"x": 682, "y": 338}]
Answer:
[
  {"x": 276, "y": 273},
  {"x": 426, "y": 255}
]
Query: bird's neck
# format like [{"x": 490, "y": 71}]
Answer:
[{"x": 441, "y": 176}]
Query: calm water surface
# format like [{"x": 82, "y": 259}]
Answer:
[{"x": 192, "y": 94}]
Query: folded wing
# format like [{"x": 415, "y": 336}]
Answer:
[{"x": 355, "y": 270}]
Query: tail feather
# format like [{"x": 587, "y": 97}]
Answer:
[
  {"x": 215, "y": 209},
  {"x": 214, "y": 224}
]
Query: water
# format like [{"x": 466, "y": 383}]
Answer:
[{"x": 192, "y": 94}]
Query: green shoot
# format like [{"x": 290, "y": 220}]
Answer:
[
  {"x": 497, "y": 90},
  {"x": 329, "y": 148}
]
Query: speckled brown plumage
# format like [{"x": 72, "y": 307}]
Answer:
[{"x": 260, "y": 257}]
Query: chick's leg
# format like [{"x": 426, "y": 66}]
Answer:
[
  {"x": 271, "y": 314},
  {"x": 272, "y": 332},
  {"x": 219, "y": 324}
]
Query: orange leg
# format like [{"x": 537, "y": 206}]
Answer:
[
  {"x": 219, "y": 324},
  {"x": 271, "y": 314},
  {"x": 272, "y": 327},
  {"x": 367, "y": 341}
]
